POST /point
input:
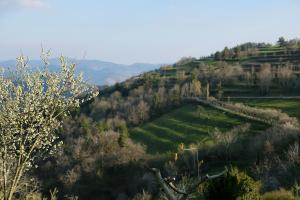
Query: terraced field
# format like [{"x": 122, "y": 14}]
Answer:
[
  {"x": 187, "y": 124},
  {"x": 289, "y": 106},
  {"x": 192, "y": 124}
]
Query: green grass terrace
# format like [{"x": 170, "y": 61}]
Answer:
[{"x": 188, "y": 124}]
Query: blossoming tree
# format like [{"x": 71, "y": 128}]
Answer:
[{"x": 33, "y": 104}]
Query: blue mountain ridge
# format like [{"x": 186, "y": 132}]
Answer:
[{"x": 94, "y": 71}]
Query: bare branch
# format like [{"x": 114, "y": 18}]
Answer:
[{"x": 172, "y": 192}]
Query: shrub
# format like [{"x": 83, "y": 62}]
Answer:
[
  {"x": 233, "y": 185},
  {"x": 281, "y": 194}
]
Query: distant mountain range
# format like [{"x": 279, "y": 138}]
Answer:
[{"x": 95, "y": 71}]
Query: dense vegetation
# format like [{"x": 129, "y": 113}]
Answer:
[{"x": 180, "y": 122}]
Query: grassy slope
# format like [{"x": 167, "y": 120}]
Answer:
[
  {"x": 187, "y": 124},
  {"x": 291, "y": 107}
]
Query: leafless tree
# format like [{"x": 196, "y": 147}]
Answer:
[
  {"x": 172, "y": 192},
  {"x": 285, "y": 77},
  {"x": 265, "y": 78}
]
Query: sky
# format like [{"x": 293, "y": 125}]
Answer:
[{"x": 149, "y": 31}]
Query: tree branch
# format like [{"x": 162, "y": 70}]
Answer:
[{"x": 172, "y": 191}]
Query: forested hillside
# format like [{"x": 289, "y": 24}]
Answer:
[
  {"x": 157, "y": 116},
  {"x": 233, "y": 114}
]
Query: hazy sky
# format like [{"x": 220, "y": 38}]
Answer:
[{"x": 153, "y": 31}]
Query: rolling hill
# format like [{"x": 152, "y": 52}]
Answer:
[{"x": 189, "y": 125}]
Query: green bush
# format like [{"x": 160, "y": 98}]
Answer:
[
  {"x": 234, "y": 185},
  {"x": 281, "y": 194}
]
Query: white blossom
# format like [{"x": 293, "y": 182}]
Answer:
[{"x": 32, "y": 105}]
